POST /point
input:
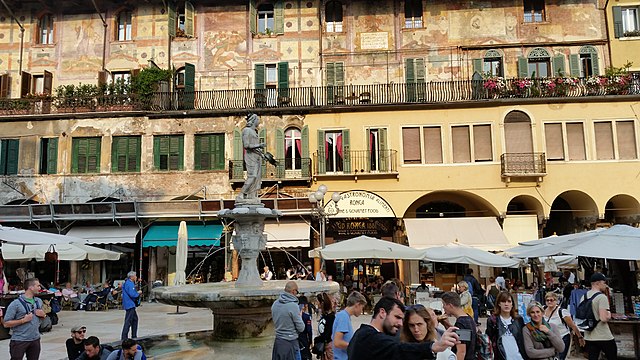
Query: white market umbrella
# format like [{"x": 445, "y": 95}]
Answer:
[
  {"x": 66, "y": 252},
  {"x": 366, "y": 247},
  {"x": 181, "y": 255},
  {"x": 457, "y": 253},
  {"x": 11, "y": 235}
]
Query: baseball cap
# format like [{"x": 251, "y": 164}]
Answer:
[
  {"x": 598, "y": 277},
  {"x": 78, "y": 328}
]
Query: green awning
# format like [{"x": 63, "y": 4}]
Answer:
[{"x": 167, "y": 235}]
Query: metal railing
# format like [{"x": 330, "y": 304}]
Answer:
[
  {"x": 331, "y": 96},
  {"x": 286, "y": 169},
  {"x": 354, "y": 162},
  {"x": 523, "y": 164}
]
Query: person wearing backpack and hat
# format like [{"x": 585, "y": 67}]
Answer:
[
  {"x": 600, "y": 338},
  {"x": 23, "y": 317}
]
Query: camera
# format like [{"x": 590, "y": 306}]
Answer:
[{"x": 464, "y": 334}]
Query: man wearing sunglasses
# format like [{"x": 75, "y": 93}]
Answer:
[{"x": 75, "y": 346}]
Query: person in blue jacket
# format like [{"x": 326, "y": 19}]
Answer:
[{"x": 129, "y": 297}]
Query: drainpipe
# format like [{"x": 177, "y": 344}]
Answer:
[
  {"x": 13, "y": 16},
  {"x": 606, "y": 26},
  {"x": 104, "y": 35}
]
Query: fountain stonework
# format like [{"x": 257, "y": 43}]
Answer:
[{"x": 242, "y": 309}]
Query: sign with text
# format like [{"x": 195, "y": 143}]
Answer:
[
  {"x": 374, "y": 41},
  {"x": 343, "y": 229},
  {"x": 359, "y": 204}
]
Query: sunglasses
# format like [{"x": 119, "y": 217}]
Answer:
[
  {"x": 550, "y": 299},
  {"x": 80, "y": 331}
]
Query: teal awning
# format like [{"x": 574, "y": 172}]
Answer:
[{"x": 167, "y": 235}]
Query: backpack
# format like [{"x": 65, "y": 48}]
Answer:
[
  {"x": 483, "y": 347},
  {"x": 585, "y": 318},
  {"x": 55, "y": 305},
  {"x": 45, "y": 323}
]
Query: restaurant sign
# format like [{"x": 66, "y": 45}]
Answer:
[{"x": 359, "y": 204}]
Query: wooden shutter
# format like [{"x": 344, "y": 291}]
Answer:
[
  {"x": 283, "y": 79},
  {"x": 384, "y": 158},
  {"x": 574, "y": 65},
  {"x": 189, "y": 85},
  {"x": 3, "y": 157},
  {"x": 523, "y": 67},
  {"x": 253, "y": 17},
  {"x": 304, "y": 135},
  {"x": 409, "y": 71},
  {"x": 259, "y": 76},
  {"x": 135, "y": 152},
  {"x": 558, "y": 65},
  {"x": 25, "y": 84},
  {"x": 618, "y": 29},
  {"x": 595, "y": 66},
  {"x": 478, "y": 66},
  {"x": 12, "y": 156},
  {"x": 75, "y": 147},
  {"x": 482, "y": 143},
  {"x": 52, "y": 156},
  {"x": 278, "y": 9},
  {"x": 553, "y": 138},
  {"x": 93, "y": 155},
  {"x": 432, "y": 145},
  {"x": 115, "y": 142},
  {"x": 604, "y": 140},
  {"x": 575, "y": 141},
  {"x": 460, "y": 141},
  {"x": 172, "y": 14},
  {"x": 197, "y": 150},
  {"x": 330, "y": 74},
  {"x": 280, "y": 153},
  {"x": 238, "y": 152},
  {"x": 102, "y": 78},
  {"x": 626, "y": 136},
  {"x": 411, "y": 153},
  {"x": 346, "y": 152},
  {"x": 189, "y": 16},
  {"x": 339, "y": 74},
  {"x": 180, "y": 152},
  {"x": 322, "y": 153},
  {"x": 47, "y": 85},
  {"x": 217, "y": 146},
  {"x": 420, "y": 70},
  {"x": 5, "y": 85},
  {"x": 156, "y": 152}
]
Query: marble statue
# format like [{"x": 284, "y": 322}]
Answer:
[{"x": 252, "y": 159}]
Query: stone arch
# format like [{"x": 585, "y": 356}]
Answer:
[
  {"x": 22, "y": 202},
  {"x": 187, "y": 197},
  {"x": 572, "y": 211},
  {"x": 104, "y": 199},
  {"x": 450, "y": 204},
  {"x": 525, "y": 205},
  {"x": 622, "y": 209}
]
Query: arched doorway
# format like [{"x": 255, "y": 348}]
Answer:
[
  {"x": 571, "y": 212},
  {"x": 622, "y": 209},
  {"x": 450, "y": 204},
  {"x": 517, "y": 133}
]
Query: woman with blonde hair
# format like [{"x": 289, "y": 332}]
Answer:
[
  {"x": 419, "y": 325},
  {"x": 465, "y": 298},
  {"x": 541, "y": 341},
  {"x": 561, "y": 319}
]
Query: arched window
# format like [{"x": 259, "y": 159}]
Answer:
[
  {"x": 413, "y": 14},
  {"x": 124, "y": 25},
  {"x": 333, "y": 16},
  {"x": 45, "y": 29},
  {"x": 517, "y": 132},
  {"x": 266, "y": 18},
  {"x": 292, "y": 149},
  {"x": 539, "y": 63},
  {"x": 493, "y": 63}
]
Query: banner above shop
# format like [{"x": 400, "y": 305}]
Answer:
[{"x": 359, "y": 204}]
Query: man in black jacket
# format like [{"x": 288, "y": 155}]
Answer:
[{"x": 377, "y": 340}]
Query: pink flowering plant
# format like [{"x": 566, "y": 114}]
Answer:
[{"x": 495, "y": 85}]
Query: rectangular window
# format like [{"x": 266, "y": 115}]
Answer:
[
  {"x": 209, "y": 152},
  {"x": 482, "y": 145},
  {"x": 626, "y": 136},
  {"x": 461, "y": 144},
  {"x": 413, "y": 14},
  {"x": 125, "y": 154},
  {"x": 122, "y": 77},
  {"x": 9, "y": 151},
  {"x": 630, "y": 20},
  {"x": 45, "y": 29},
  {"x": 539, "y": 68},
  {"x": 334, "y": 151},
  {"x": 411, "y": 145},
  {"x": 49, "y": 156},
  {"x": 575, "y": 141},
  {"x": 604, "y": 140},
  {"x": 124, "y": 26},
  {"x": 554, "y": 140},
  {"x": 493, "y": 66},
  {"x": 333, "y": 16},
  {"x": 266, "y": 20},
  {"x": 534, "y": 11},
  {"x": 85, "y": 155},
  {"x": 168, "y": 152},
  {"x": 586, "y": 68},
  {"x": 432, "y": 137},
  {"x": 271, "y": 73}
]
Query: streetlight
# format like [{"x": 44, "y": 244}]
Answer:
[{"x": 317, "y": 198}]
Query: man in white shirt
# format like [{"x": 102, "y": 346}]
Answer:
[{"x": 267, "y": 274}]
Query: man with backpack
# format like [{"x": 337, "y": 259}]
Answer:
[
  {"x": 130, "y": 351},
  {"x": 594, "y": 310},
  {"x": 23, "y": 317},
  {"x": 94, "y": 351}
]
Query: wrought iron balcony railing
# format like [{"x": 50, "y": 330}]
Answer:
[
  {"x": 356, "y": 162},
  {"x": 331, "y": 96},
  {"x": 287, "y": 169},
  {"x": 523, "y": 165}
]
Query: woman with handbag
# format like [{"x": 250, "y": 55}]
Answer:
[
  {"x": 561, "y": 319},
  {"x": 420, "y": 325},
  {"x": 541, "y": 341},
  {"x": 322, "y": 345},
  {"x": 504, "y": 329}
]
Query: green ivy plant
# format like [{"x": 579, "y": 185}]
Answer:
[{"x": 145, "y": 83}]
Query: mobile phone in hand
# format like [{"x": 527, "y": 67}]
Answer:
[{"x": 464, "y": 334}]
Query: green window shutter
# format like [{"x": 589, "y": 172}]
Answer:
[
  {"x": 13, "y": 147},
  {"x": 304, "y": 134},
  {"x": 197, "y": 149},
  {"x": 339, "y": 74},
  {"x": 93, "y": 155},
  {"x": 283, "y": 79},
  {"x": 574, "y": 65},
  {"x": 189, "y": 15},
  {"x": 558, "y": 65},
  {"x": 218, "y": 151},
  {"x": 253, "y": 17},
  {"x": 156, "y": 152},
  {"x": 618, "y": 29},
  {"x": 595, "y": 66},
  {"x": 383, "y": 157},
  {"x": 52, "y": 156},
  {"x": 278, "y": 9},
  {"x": 346, "y": 152},
  {"x": 409, "y": 71},
  {"x": 330, "y": 70},
  {"x": 420, "y": 70},
  {"x": 238, "y": 153},
  {"x": 189, "y": 85},
  {"x": 3, "y": 156},
  {"x": 114, "y": 153},
  {"x": 259, "y": 76},
  {"x": 523, "y": 67},
  {"x": 135, "y": 152},
  {"x": 322, "y": 157},
  {"x": 280, "y": 169},
  {"x": 75, "y": 145},
  {"x": 171, "y": 13},
  {"x": 478, "y": 66},
  {"x": 181, "y": 152}
]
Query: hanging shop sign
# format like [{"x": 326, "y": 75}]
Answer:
[
  {"x": 349, "y": 228},
  {"x": 359, "y": 204}
]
